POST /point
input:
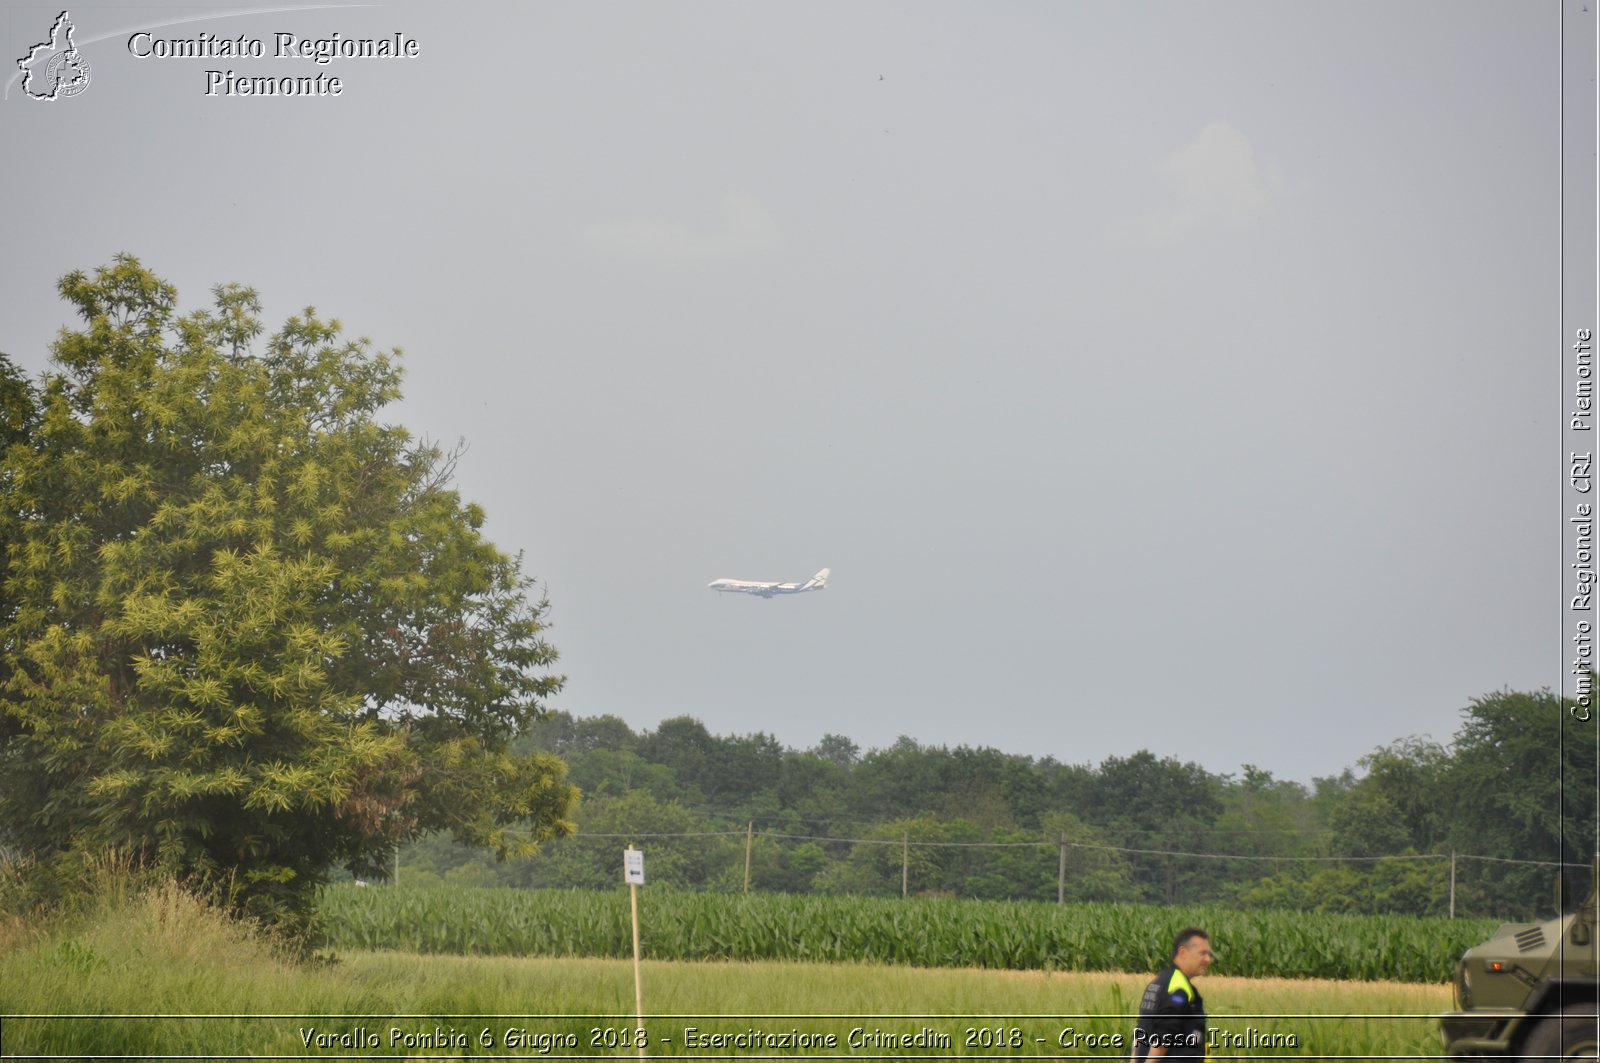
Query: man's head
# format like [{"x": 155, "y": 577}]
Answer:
[{"x": 1191, "y": 952}]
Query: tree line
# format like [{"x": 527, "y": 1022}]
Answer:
[{"x": 978, "y": 822}]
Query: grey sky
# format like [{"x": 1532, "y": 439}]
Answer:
[{"x": 1182, "y": 376}]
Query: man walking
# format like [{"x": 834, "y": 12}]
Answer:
[{"x": 1172, "y": 1014}]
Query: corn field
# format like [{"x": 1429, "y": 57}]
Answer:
[{"x": 925, "y": 932}]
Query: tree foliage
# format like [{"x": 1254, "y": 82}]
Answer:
[
  {"x": 254, "y": 634},
  {"x": 1522, "y": 779},
  {"x": 19, "y": 412},
  {"x": 18, "y": 404},
  {"x": 1397, "y": 805}
]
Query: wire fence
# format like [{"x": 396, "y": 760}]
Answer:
[
  {"x": 1046, "y": 844},
  {"x": 1061, "y": 870}
]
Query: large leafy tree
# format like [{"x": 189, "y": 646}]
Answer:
[
  {"x": 1398, "y": 806},
  {"x": 1521, "y": 786},
  {"x": 254, "y": 634},
  {"x": 1141, "y": 802}
]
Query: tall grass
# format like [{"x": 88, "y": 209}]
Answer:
[
  {"x": 935, "y": 932},
  {"x": 165, "y": 954}
]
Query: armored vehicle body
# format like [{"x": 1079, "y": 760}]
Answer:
[{"x": 1530, "y": 991}]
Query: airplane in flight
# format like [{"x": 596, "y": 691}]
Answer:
[{"x": 767, "y": 590}]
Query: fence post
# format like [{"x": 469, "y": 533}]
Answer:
[
  {"x": 1452, "y": 883},
  {"x": 1061, "y": 871},
  {"x": 749, "y": 840},
  {"x": 905, "y": 864}
]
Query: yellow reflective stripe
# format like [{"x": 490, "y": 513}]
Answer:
[{"x": 1180, "y": 982}]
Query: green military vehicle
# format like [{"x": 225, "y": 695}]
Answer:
[{"x": 1530, "y": 991}]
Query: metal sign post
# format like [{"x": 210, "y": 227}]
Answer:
[{"x": 633, "y": 874}]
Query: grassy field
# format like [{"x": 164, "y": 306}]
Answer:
[
  {"x": 936, "y": 932},
  {"x": 163, "y": 954}
]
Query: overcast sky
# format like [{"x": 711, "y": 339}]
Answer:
[{"x": 1178, "y": 376}]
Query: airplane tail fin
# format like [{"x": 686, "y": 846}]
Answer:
[{"x": 818, "y": 582}]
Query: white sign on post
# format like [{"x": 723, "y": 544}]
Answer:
[
  {"x": 633, "y": 875},
  {"x": 633, "y": 867}
]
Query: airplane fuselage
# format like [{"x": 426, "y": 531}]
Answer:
[{"x": 769, "y": 590}]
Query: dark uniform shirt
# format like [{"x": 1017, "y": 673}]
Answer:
[{"x": 1171, "y": 1013}]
